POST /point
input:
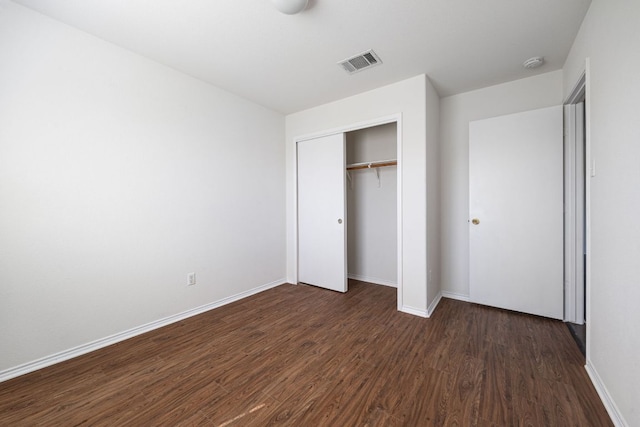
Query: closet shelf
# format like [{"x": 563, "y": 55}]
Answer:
[{"x": 369, "y": 165}]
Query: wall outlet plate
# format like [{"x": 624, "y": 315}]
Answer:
[{"x": 191, "y": 279}]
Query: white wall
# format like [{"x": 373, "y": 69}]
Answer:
[
  {"x": 372, "y": 207},
  {"x": 372, "y": 144},
  {"x": 408, "y": 98},
  {"x": 610, "y": 38},
  {"x": 118, "y": 177},
  {"x": 457, "y": 111}
]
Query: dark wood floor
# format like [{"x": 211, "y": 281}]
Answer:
[{"x": 303, "y": 356}]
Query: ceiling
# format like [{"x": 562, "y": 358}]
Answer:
[{"x": 288, "y": 62}]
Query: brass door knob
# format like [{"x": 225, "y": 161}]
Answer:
[{"x": 475, "y": 221}]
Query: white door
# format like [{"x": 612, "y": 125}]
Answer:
[
  {"x": 322, "y": 256},
  {"x": 516, "y": 219}
]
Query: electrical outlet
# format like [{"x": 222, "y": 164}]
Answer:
[{"x": 191, "y": 279}]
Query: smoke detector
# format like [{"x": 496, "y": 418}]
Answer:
[
  {"x": 360, "y": 62},
  {"x": 534, "y": 62}
]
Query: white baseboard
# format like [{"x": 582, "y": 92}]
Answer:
[
  {"x": 373, "y": 280},
  {"x": 434, "y": 304},
  {"x": 422, "y": 313},
  {"x": 609, "y": 404},
  {"x": 414, "y": 311},
  {"x": 456, "y": 296},
  {"x": 25, "y": 368}
]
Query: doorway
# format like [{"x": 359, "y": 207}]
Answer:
[
  {"x": 575, "y": 195},
  {"x": 371, "y": 204}
]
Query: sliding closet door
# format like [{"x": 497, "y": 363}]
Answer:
[{"x": 322, "y": 259}]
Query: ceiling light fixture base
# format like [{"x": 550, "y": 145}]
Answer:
[{"x": 290, "y": 7}]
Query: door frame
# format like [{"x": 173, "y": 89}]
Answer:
[
  {"x": 394, "y": 118},
  {"x": 575, "y": 296}
]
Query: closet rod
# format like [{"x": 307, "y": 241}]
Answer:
[{"x": 368, "y": 165}]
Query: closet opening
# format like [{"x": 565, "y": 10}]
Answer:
[
  {"x": 372, "y": 232},
  {"x": 348, "y": 192}
]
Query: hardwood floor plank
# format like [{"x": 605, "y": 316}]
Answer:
[
  {"x": 464, "y": 405},
  {"x": 497, "y": 392},
  {"x": 429, "y": 400},
  {"x": 348, "y": 399},
  {"x": 302, "y": 356},
  {"x": 238, "y": 408}
]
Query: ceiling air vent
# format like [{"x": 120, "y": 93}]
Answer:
[{"x": 360, "y": 62}]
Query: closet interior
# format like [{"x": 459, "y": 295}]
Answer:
[{"x": 371, "y": 158}]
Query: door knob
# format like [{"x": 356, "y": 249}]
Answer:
[
  {"x": 339, "y": 220},
  {"x": 475, "y": 221}
]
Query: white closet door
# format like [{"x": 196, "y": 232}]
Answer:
[
  {"x": 322, "y": 256},
  {"x": 515, "y": 201}
]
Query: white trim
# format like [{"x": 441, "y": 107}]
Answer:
[
  {"x": 394, "y": 118},
  {"x": 52, "y": 359},
  {"x": 373, "y": 280},
  {"x": 434, "y": 304},
  {"x": 456, "y": 296},
  {"x": 414, "y": 311},
  {"x": 587, "y": 201},
  {"x": 569, "y": 213},
  {"x": 579, "y": 245},
  {"x": 607, "y": 400},
  {"x": 578, "y": 91},
  {"x": 295, "y": 214},
  {"x": 574, "y": 203},
  {"x": 350, "y": 128},
  {"x": 399, "y": 263},
  {"x": 574, "y": 214}
]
